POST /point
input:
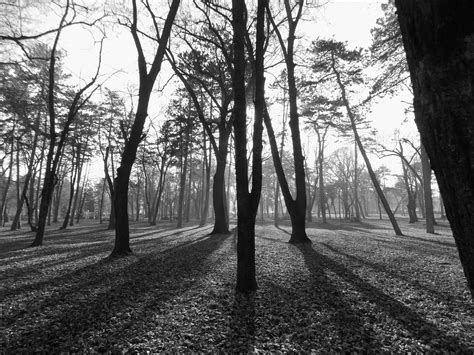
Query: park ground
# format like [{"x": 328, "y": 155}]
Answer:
[{"x": 358, "y": 287}]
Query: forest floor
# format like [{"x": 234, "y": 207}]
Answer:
[{"x": 358, "y": 287}]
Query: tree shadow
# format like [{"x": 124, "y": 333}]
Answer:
[
  {"x": 417, "y": 326},
  {"x": 350, "y": 325},
  {"x": 241, "y": 328},
  {"x": 91, "y": 301},
  {"x": 393, "y": 273}
]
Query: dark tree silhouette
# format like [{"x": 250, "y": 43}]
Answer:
[
  {"x": 439, "y": 42},
  {"x": 247, "y": 203},
  {"x": 147, "y": 81}
]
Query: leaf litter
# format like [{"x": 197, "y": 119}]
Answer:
[{"x": 357, "y": 288}]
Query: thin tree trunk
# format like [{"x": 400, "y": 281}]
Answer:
[
  {"x": 297, "y": 206},
  {"x": 147, "y": 80},
  {"x": 79, "y": 167},
  {"x": 26, "y": 184},
  {"x": 356, "y": 184},
  {"x": 372, "y": 175},
  {"x": 207, "y": 166},
  {"x": 426, "y": 168},
  {"x": 183, "y": 175},
  {"x": 189, "y": 192},
  {"x": 7, "y": 187},
  {"x": 74, "y": 172}
]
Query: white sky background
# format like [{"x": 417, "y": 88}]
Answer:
[{"x": 343, "y": 20}]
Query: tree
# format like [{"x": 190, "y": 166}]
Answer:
[
  {"x": 147, "y": 78},
  {"x": 333, "y": 57},
  {"x": 439, "y": 42},
  {"x": 426, "y": 170},
  {"x": 55, "y": 148},
  {"x": 389, "y": 54},
  {"x": 323, "y": 113},
  {"x": 247, "y": 202},
  {"x": 205, "y": 69},
  {"x": 296, "y": 206}
]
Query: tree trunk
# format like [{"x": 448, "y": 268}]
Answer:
[
  {"x": 207, "y": 166},
  {"x": 16, "y": 219},
  {"x": 147, "y": 80},
  {"x": 221, "y": 222},
  {"x": 297, "y": 206},
  {"x": 247, "y": 203},
  {"x": 77, "y": 195},
  {"x": 428, "y": 198},
  {"x": 183, "y": 175},
  {"x": 372, "y": 175},
  {"x": 356, "y": 185},
  {"x": 322, "y": 192},
  {"x": 101, "y": 202},
  {"x": 137, "y": 201},
  {"x": 439, "y": 41},
  {"x": 3, "y": 206}
]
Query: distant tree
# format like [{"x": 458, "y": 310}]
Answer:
[
  {"x": 205, "y": 69},
  {"x": 439, "y": 42},
  {"x": 322, "y": 114},
  {"x": 55, "y": 148},
  {"x": 344, "y": 66}
]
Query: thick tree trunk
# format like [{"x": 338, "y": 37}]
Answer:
[
  {"x": 121, "y": 183},
  {"x": 247, "y": 203},
  {"x": 439, "y": 40},
  {"x": 221, "y": 222}
]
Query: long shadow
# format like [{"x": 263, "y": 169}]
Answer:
[
  {"x": 241, "y": 334},
  {"x": 81, "y": 254},
  {"x": 423, "y": 246},
  {"x": 95, "y": 297},
  {"x": 393, "y": 274},
  {"x": 329, "y": 297},
  {"x": 428, "y": 241},
  {"x": 415, "y": 324}
]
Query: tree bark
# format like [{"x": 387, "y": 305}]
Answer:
[
  {"x": 439, "y": 42},
  {"x": 247, "y": 203}
]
